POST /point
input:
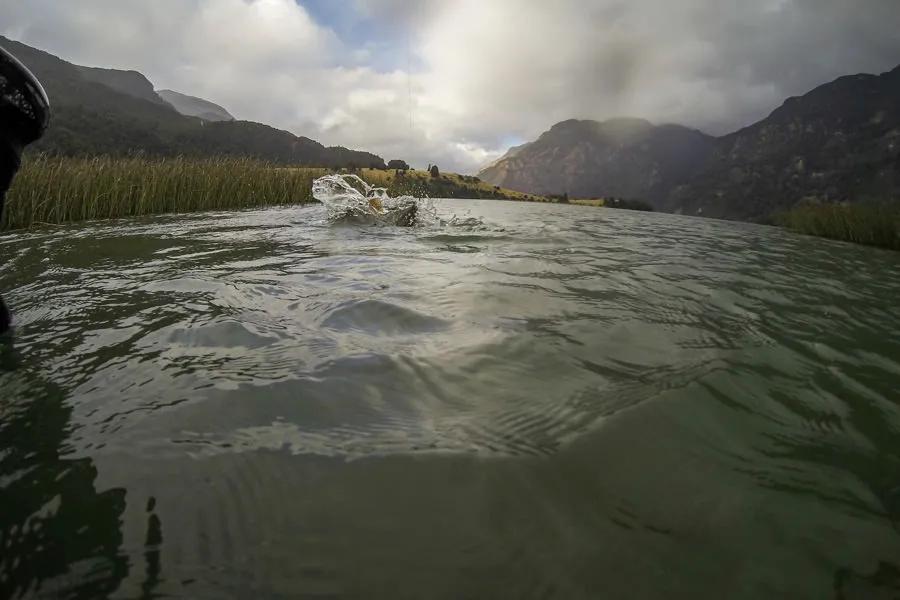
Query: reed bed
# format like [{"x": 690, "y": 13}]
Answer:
[
  {"x": 869, "y": 224},
  {"x": 53, "y": 190}
]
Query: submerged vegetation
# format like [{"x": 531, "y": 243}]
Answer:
[
  {"x": 58, "y": 190},
  {"x": 870, "y": 224}
]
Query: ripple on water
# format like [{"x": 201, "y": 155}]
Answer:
[
  {"x": 235, "y": 332},
  {"x": 377, "y": 317},
  {"x": 257, "y": 403}
]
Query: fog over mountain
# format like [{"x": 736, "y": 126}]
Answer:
[
  {"x": 838, "y": 143},
  {"x": 195, "y": 107},
  {"x": 458, "y": 83}
]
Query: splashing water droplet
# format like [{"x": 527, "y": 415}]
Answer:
[{"x": 347, "y": 198}]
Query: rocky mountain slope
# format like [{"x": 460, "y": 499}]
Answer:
[
  {"x": 195, "y": 107},
  {"x": 629, "y": 158},
  {"x": 840, "y": 142},
  {"x": 110, "y": 112},
  {"x": 509, "y": 154}
]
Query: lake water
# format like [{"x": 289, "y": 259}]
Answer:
[{"x": 541, "y": 401}]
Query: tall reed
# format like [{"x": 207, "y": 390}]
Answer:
[
  {"x": 58, "y": 190},
  {"x": 865, "y": 223}
]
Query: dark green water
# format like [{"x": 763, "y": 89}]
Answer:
[{"x": 561, "y": 402}]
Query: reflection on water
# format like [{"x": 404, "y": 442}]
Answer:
[
  {"x": 532, "y": 401},
  {"x": 58, "y": 534}
]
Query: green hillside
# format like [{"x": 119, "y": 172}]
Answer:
[{"x": 109, "y": 112}]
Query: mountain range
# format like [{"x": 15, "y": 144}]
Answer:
[
  {"x": 838, "y": 143},
  {"x": 622, "y": 157},
  {"x": 113, "y": 112}
]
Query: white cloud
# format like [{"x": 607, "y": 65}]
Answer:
[{"x": 484, "y": 71}]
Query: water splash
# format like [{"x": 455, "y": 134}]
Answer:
[{"x": 347, "y": 198}]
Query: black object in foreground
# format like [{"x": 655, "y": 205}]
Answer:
[{"x": 24, "y": 116}]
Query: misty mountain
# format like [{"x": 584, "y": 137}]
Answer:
[
  {"x": 112, "y": 112},
  {"x": 195, "y": 107},
  {"x": 630, "y": 158},
  {"x": 509, "y": 154},
  {"x": 840, "y": 142}
]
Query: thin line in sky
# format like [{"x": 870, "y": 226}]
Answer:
[{"x": 409, "y": 82}]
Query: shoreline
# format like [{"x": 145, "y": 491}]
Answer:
[{"x": 59, "y": 190}]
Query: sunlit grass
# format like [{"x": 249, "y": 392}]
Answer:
[
  {"x": 59, "y": 190},
  {"x": 870, "y": 224},
  {"x": 451, "y": 185},
  {"x": 599, "y": 202}
]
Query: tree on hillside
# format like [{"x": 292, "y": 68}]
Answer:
[
  {"x": 435, "y": 172},
  {"x": 398, "y": 165}
]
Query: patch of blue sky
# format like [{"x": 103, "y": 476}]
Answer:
[{"x": 378, "y": 42}]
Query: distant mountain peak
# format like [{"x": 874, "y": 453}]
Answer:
[
  {"x": 622, "y": 157},
  {"x": 840, "y": 142},
  {"x": 568, "y": 124},
  {"x": 613, "y": 123},
  {"x": 626, "y": 122}
]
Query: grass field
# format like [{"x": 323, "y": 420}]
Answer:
[
  {"x": 60, "y": 190},
  {"x": 869, "y": 224},
  {"x": 598, "y": 202},
  {"x": 448, "y": 185}
]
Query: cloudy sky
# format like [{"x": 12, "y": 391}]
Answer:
[{"x": 455, "y": 82}]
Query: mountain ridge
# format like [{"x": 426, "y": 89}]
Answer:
[
  {"x": 110, "y": 112},
  {"x": 623, "y": 157},
  {"x": 839, "y": 142},
  {"x": 128, "y": 82}
]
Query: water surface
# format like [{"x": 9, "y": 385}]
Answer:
[{"x": 539, "y": 401}]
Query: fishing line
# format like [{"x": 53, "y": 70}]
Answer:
[{"x": 409, "y": 83}]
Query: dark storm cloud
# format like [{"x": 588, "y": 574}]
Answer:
[{"x": 484, "y": 71}]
